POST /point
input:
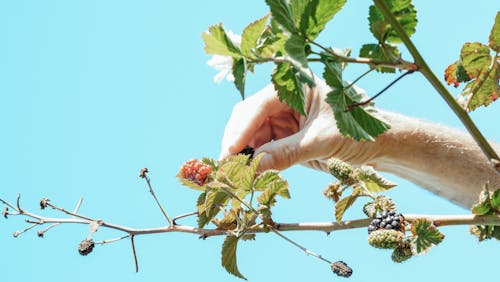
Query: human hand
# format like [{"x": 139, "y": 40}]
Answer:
[{"x": 287, "y": 138}]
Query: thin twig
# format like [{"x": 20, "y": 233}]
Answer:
[
  {"x": 148, "y": 181},
  {"x": 112, "y": 240},
  {"x": 75, "y": 211},
  {"x": 135, "y": 254},
  {"x": 183, "y": 216},
  {"x": 17, "y": 233},
  {"x": 362, "y": 103},
  {"x": 68, "y": 212},
  {"x": 307, "y": 251}
]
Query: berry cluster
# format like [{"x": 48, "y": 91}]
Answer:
[
  {"x": 85, "y": 247},
  {"x": 341, "y": 269},
  {"x": 388, "y": 220},
  {"x": 195, "y": 171}
]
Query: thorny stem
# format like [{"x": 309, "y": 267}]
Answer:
[
  {"x": 362, "y": 103},
  {"x": 440, "y": 88},
  {"x": 148, "y": 181},
  {"x": 307, "y": 251},
  {"x": 401, "y": 64},
  {"x": 439, "y": 220}
]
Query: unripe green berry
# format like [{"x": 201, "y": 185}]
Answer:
[
  {"x": 385, "y": 238},
  {"x": 340, "y": 170}
]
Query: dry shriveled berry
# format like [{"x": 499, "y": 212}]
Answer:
[
  {"x": 85, "y": 247},
  {"x": 43, "y": 203},
  {"x": 385, "y": 239},
  {"x": 341, "y": 269},
  {"x": 196, "y": 171}
]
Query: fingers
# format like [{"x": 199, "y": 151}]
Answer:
[{"x": 247, "y": 118}]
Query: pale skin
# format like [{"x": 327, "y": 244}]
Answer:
[{"x": 442, "y": 160}]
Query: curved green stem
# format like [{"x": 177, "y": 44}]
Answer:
[{"x": 439, "y": 86}]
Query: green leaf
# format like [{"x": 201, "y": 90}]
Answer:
[
  {"x": 275, "y": 188},
  {"x": 239, "y": 73},
  {"x": 495, "y": 200},
  {"x": 385, "y": 203},
  {"x": 316, "y": 15},
  {"x": 384, "y": 52},
  {"x": 189, "y": 183},
  {"x": 282, "y": 13},
  {"x": 229, "y": 256},
  {"x": 233, "y": 170},
  {"x": 405, "y": 14},
  {"x": 217, "y": 42},
  {"x": 289, "y": 87},
  {"x": 295, "y": 48},
  {"x": 474, "y": 58},
  {"x": 426, "y": 235},
  {"x": 214, "y": 200},
  {"x": 483, "y": 206},
  {"x": 373, "y": 181},
  {"x": 494, "y": 42},
  {"x": 343, "y": 204},
  {"x": 248, "y": 178},
  {"x": 496, "y": 232},
  {"x": 361, "y": 122},
  {"x": 202, "y": 216},
  {"x": 484, "y": 90},
  {"x": 251, "y": 34},
  {"x": 370, "y": 209},
  {"x": 267, "y": 177}
]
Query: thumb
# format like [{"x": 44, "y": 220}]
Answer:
[{"x": 283, "y": 153}]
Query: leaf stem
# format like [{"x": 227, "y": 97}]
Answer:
[
  {"x": 307, "y": 251},
  {"x": 440, "y": 88},
  {"x": 402, "y": 65}
]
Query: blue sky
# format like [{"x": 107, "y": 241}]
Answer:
[{"x": 92, "y": 91}]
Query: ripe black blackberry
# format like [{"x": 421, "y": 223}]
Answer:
[
  {"x": 248, "y": 151},
  {"x": 341, "y": 269},
  {"x": 388, "y": 220},
  {"x": 85, "y": 247}
]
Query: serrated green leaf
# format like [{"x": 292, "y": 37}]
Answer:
[
  {"x": 263, "y": 181},
  {"x": 289, "y": 87},
  {"x": 384, "y": 52},
  {"x": 450, "y": 74},
  {"x": 494, "y": 41},
  {"x": 370, "y": 209},
  {"x": 228, "y": 222},
  {"x": 295, "y": 48},
  {"x": 190, "y": 184},
  {"x": 385, "y": 203},
  {"x": 274, "y": 188},
  {"x": 495, "y": 200},
  {"x": 426, "y": 235},
  {"x": 228, "y": 259},
  {"x": 214, "y": 164},
  {"x": 282, "y": 13},
  {"x": 342, "y": 205},
  {"x": 405, "y": 14},
  {"x": 361, "y": 122},
  {"x": 217, "y": 42},
  {"x": 202, "y": 216},
  {"x": 233, "y": 170},
  {"x": 248, "y": 178},
  {"x": 316, "y": 14},
  {"x": 483, "y": 206},
  {"x": 373, "y": 181},
  {"x": 251, "y": 34},
  {"x": 484, "y": 90},
  {"x": 474, "y": 58},
  {"x": 239, "y": 73}
]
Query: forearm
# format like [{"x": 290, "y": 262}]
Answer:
[{"x": 445, "y": 161}]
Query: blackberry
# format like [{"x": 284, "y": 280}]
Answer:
[
  {"x": 388, "y": 220},
  {"x": 248, "y": 151},
  {"x": 195, "y": 171},
  {"x": 340, "y": 170},
  {"x": 85, "y": 247},
  {"x": 402, "y": 252},
  {"x": 385, "y": 239},
  {"x": 341, "y": 269}
]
